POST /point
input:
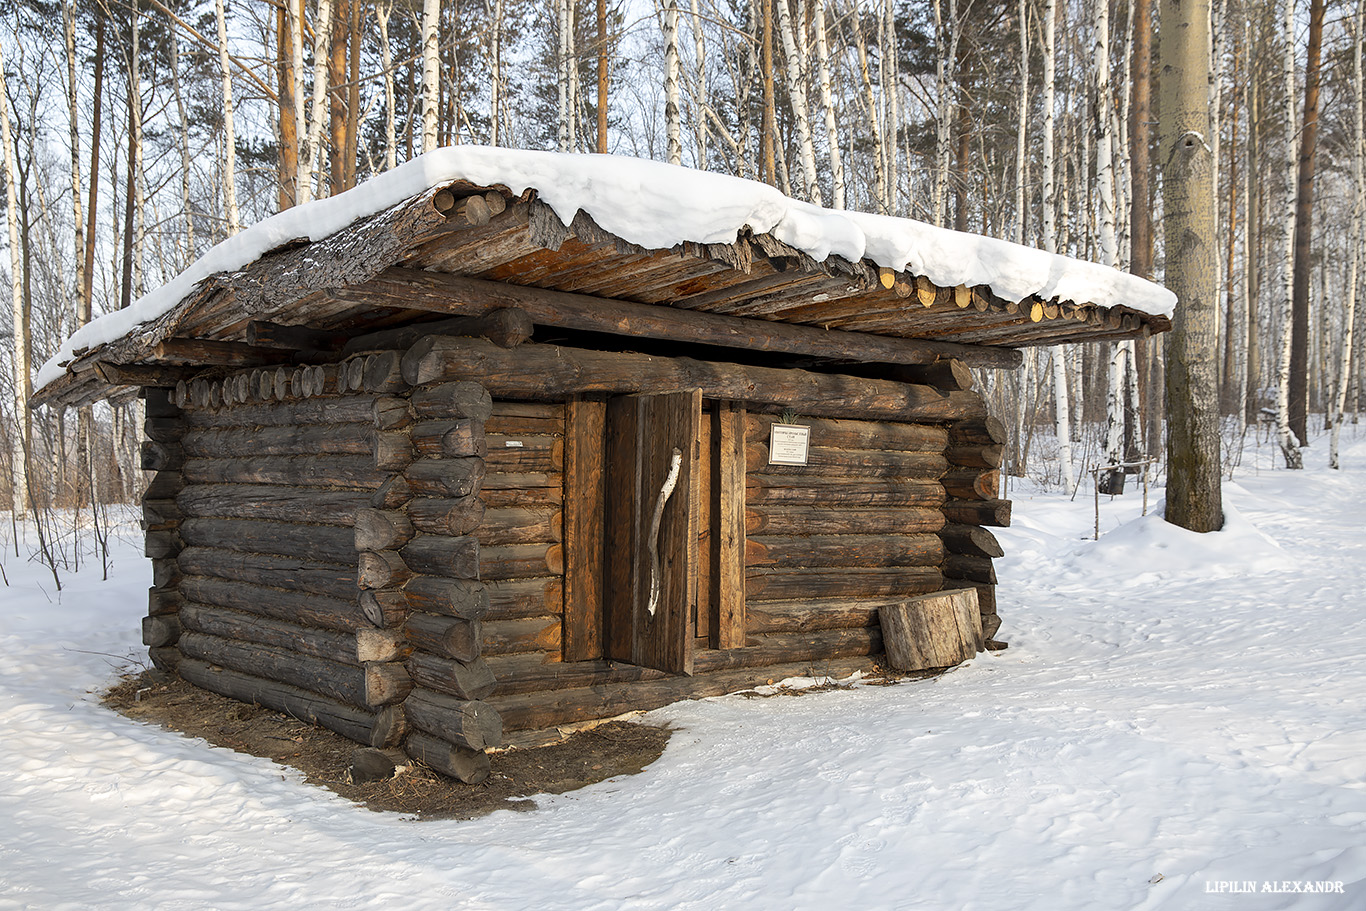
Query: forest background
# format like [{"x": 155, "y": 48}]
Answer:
[{"x": 138, "y": 134}]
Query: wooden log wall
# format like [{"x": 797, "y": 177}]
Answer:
[
  {"x": 830, "y": 541},
  {"x": 973, "y": 482},
  {"x": 164, "y": 428}
]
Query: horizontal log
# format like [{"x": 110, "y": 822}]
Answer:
[
  {"x": 446, "y": 637},
  {"x": 782, "y": 490},
  {"x": 164, "y": 429},
  {"x": 301, "y": 608},
  {"x": 437, "y": 555},
  {"x": 382, "y": 372},
  {"x": 451, "y": 760},
  {"x": 366, "y": 687},
  {"x": 763, "y": 617},
  {"x": 971, "y": 539},
  {"x": 164, "y": 485},
  {"x": 320, "y": 543},
  {"x": 976, "y": 455},
  {"x": 790, "y": 584},
  {"x": 844, "y": 434},
  {"x": 392, "y": 450},
  {"x": 782, "y": 648},
  {"x": 272, "y": 501},
  {"x": 978, "y": 512},
  {"x": 162, "y": 630},
  {"x": 982, "y": 430},
  {"x": 451, "y": 439},
  {"x": 533, "y": 634},
  {"x": 379, "y": 529},
  {"x": 528, "y": 672},
  {"x": 390, "y": 727},
  {"x": 393, "y": 493},
  {"x": 265, "y": 334},
  {"x": 439, "y": 291},
  {"x": 462, "y": 598},
  {"x": 838, "y": 520},
  {"x": 382, "y": 569},
  {"x": 161, "y": 601},
  {"x": 165, "y": 573},
  {"x": 972, "y": 483},
  {"x": 520, "y": 525},
  {"x": 469, "y": 723},
  {"x": 518, "y": 561},
  {"x": 518, "y": 598},
  {"x": 353, "y": 649},
  {"x": 335, "y": 580},
  {"x": 465, "y": 680},
  {"x": 148, "y": 375},
  {"x": 506, "y": 327},
  {"x": 543, "y": 709},
  {"x": 302, "y": 439},
  {"x": 384, "y": 609},
  {"x": 851, "y": 463},
  {"x": 323, "y": 410},
  {"x": 452, "y": 400},
  {"x": 162, "y": 456},
  {"x": 351, "y": 722},
  {"x": 453, "y": 517},
  {"x": 515, "y": 419},
  {"x": 534, "y": 497},
  {"x": 446, "y": 478},
  {"x": 526, "y": 459},
  {"x": 971, "y": 568},
  {"x": 392, "y": 413},
  {"x": 353, "y": 471},
  {"x": 843, "y": 550},
  {"x": 548, "y": 371},
  {"x": 158, "y": 515},
  {"x": 159, "y": 544}
]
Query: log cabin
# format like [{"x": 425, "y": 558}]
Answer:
[{"x": 501, "y": 441}]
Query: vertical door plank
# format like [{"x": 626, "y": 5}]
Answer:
[
  {"x": 585, "y": 505},
  {"x": 729, "y": 568},
  {"x": 622, "y": 532},
  {"x": 670, "y": 423}
]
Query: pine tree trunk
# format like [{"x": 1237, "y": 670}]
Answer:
[
  {"x": 874, "y": 129},
  {"x": 382, "y": 13},
  {"x": 1022, "y": 125},
  {"x": 1193, "y": 471},
  {"x": 288, "y": 127}
]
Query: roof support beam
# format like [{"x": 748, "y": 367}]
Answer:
[{"x": 414, "y": 289}]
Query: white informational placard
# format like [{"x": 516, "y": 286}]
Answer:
[{"x": 788, "y": 444}]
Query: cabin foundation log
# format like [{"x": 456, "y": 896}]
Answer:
[{"x": 451, "y": 760}]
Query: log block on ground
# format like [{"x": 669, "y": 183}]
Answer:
[{"x": 932, "y": 631}]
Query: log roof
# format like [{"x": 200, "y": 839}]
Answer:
[{"x": 462, "y": 249}]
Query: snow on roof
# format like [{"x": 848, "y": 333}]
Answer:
[{"x": 656, "y": 206}]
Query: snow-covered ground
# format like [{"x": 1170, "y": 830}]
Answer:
[{"x": 1176, "y": 715}]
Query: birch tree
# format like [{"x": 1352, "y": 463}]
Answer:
[
  {"x": 672, "y": 108},
  {"x": 22, "y": 381},
  {"x": 1194, "y": 498},
  {"x": 1285, "y": 434},
  {"x": 1062, "y": 412},
  {"x": 1355, "y": 242},
  {"x": 431, "y": 71},
  {"x": 832, "y": 136},
  {"x": 229, "y": 132},
  {"x": 796, "y": 94}
]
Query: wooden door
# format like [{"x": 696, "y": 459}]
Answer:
[{"x": 651, "y": 551}]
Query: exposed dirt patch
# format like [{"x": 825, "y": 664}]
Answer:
[{"x": 585, "y": 757}]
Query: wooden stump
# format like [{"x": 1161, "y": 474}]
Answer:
[{"x": 938, "y": 630}]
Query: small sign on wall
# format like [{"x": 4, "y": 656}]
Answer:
[{"x": 788, "y": 444}]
